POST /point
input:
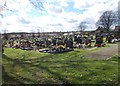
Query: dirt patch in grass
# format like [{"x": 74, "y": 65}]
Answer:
[{"x": 105, "y": 53}]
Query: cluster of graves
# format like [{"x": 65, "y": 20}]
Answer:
[{"x": 60, "y": 44}]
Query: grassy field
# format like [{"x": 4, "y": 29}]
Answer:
[{"x": 31, "y": 67}]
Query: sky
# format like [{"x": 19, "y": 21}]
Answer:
[{"x": 51, "y": 15}]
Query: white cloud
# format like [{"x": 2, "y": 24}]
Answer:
[
  {"x": 53, "y": 9},
  {"x": 63, "y": 3},
  {"x": 95, "y": 10},
  {"x": 56, "y": 18},
  {"x": 87, "y": 4}
]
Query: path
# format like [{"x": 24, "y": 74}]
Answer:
[{"x": 105, "y": 53}]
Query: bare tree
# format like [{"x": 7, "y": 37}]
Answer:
[
  {"x": 5, "y": 34},
  {"x": 118, "y": 14},
  {"x": 106, "y": 20},
  {"x": 82, "y": 26},
  {"x": 38, "y": 33},
  {"x": 37, "y": 3},
  {"x": 4, "y": 7}
]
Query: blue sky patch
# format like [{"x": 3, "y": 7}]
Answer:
[{"x": 70, "y": 8}]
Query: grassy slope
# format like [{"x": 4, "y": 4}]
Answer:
[{"x": 72, "y": 67}]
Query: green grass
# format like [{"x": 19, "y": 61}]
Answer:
[{"x": 31, "y": 67}]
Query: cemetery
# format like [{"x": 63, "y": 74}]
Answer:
[
  {"x": 52, "y": 44},
  {"x": 42, "y": 60},
  {"x": 59, "y": 42}
]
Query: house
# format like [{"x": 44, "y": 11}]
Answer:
[
  {"x": 100, "y": 30},
  {"x": 117, "y": 29}
]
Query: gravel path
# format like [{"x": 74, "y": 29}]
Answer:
[{"x": 105, "y": 53}]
